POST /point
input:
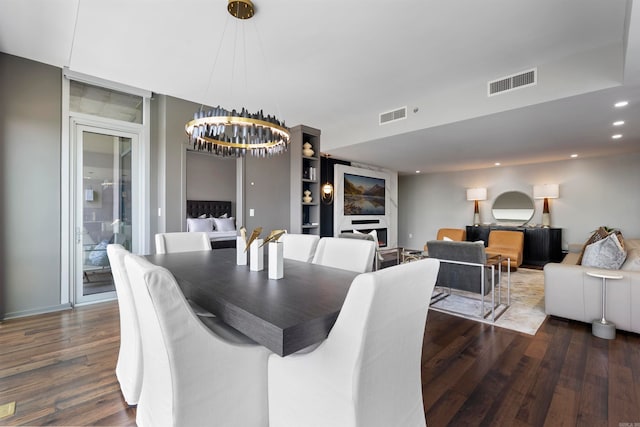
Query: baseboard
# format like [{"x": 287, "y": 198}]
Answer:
[{"x": 25, "y": 313}]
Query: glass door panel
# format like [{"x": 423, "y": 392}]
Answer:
[{"x": 105, "y": 204}]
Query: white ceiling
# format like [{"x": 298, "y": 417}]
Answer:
[{"x": 337, "y": 65}]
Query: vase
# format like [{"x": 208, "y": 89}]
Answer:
[
  {"x": 241, "y": 254},
  {"x": 306, "y": 150},
  {"x": 307, "y": 196},
  {"x": 276, "y": 260},
  {"x": 256, "y": 256}
]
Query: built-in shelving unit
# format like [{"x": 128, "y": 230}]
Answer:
[{"x": 305, "y": 176}]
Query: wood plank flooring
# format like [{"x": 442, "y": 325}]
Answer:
[{"x": 59, "y": 368}]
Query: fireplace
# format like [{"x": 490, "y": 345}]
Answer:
[{"x": 382, "y": 234}]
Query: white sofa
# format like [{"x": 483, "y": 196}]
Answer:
[{"x": 570, "y": 293}]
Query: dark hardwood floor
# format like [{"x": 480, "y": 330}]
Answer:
[{"x": 59, "y": 369}]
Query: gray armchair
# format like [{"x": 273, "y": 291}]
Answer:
[{"x": 461, "y": 276}]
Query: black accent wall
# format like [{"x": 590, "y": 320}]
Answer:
[{"x": 326, "y": 211}]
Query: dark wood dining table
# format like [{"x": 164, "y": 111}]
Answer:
[{"x": 284, "y": 315}]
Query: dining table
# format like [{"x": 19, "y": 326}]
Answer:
[{"x": 285, "y": 315}]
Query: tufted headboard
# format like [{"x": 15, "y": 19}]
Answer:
[{"x": 214, "y": 208}]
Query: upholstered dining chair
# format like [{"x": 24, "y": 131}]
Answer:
[
  {"x": 347, "y": 254},
  {"x": 299, "y": 247},
  {"x": 129, "y": 365},
  {"x": 182, "y": 242},
  {"x": 367, "y": 372},
  {"x": 194, "y": 375},
  {"x": 167, "y": 243},
  {"x": 373, "y": 236}
]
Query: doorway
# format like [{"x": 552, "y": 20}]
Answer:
[{"x": 106, "y": 208}]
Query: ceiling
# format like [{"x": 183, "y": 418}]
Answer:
[{"x": 337, "y": 65}]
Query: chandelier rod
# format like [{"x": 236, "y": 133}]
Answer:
[{"x": 215, "y": 62}]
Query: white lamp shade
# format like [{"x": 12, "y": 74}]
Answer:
[
  {"x": 476, "y": 194},
  {"x": 546, "y": 191}
]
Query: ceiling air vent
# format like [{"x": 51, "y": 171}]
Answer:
[
  {"x": 392, "y": 116},
  {"x": 512, "y": 82}
]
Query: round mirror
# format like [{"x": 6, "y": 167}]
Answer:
[{"x": 513, "y": 207}]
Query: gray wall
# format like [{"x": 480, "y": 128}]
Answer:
[
  {"x": 30, "y": 118},
  {"x": 267, "y": 192},
  {"x": 30, "y": 149},
  {"x": 593, "y": 192},
  {"x": 211, "y": 178}
]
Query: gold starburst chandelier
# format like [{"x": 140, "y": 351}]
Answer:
[{"x": 235, "y": 134}]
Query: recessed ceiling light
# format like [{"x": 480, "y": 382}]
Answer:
[
  {"x": 621, "y": 104},
  {"x": 497, "y": 163},
  {"x": 618, "y": 123},
  {"x": 616, "y": 136},
  {"x": 573, "y": 156},
  {"x": 417, "y": 171}
]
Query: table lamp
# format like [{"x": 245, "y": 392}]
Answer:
[
  {"x": 476, "y": 194},
  {"x": 546, "y": 192}
]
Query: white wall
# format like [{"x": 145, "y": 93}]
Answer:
[
  {"x": 593, "y": 192},
  {"x": 389, "y": 220}
]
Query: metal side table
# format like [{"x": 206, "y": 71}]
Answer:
[{"x": 602, "y": 328}]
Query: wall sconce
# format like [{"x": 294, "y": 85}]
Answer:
[
  {"x": 88, "y": 195},
  {"x": 327, "y": 187},
  {"x": 546, "y": 192},
  {"x": 476, "y": 194}
]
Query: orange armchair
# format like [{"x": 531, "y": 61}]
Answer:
[
  {"x": 456, "y": 234},
  {"x": 509, "y": 244}
]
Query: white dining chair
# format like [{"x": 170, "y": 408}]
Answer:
[
  {"x": 182, "y": 242},
  {"x": 367, "y": 372},
  {"x": 167, "y": 243},
  {"x": 194, "y": 375},
  {"x": 299, "y": 247},
  {"x": 348, "y": 254},
  {"x": 129, "y": 365}
]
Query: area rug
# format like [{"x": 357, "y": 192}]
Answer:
[{"x": 525, "y": 314}]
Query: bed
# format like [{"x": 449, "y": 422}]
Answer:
[{"x": 214, "y": 217}]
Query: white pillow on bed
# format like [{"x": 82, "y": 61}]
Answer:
[
  {"x": 224, "y": 224},
  {"x": 199, "y": 224}
]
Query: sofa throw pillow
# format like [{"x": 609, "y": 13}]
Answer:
[
  {"x": 372, "y": 233},
  {"x": 98, "y": 255},
  {"x": 597, "y": 235},
  {"x": 224, "y": 224},
  {"x": 632, "y": 263},
  {"x": 605, "y": 253}
]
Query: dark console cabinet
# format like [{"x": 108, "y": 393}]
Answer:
[{"x": 541, "y": 245}]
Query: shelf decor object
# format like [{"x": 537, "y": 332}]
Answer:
[
  {"x": 307, "y": 150},
  {"x": 476, "y": 194},
  {"x": 235, "y": 134},
  {"x": 307, "y": 196},
  {"x": 546, "y": 192}
]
